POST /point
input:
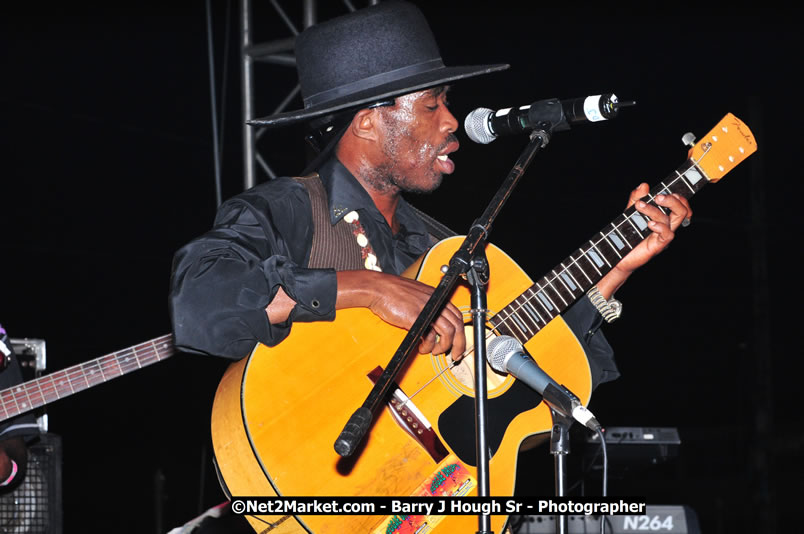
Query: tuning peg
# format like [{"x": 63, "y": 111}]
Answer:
[{"x": 688, "y": 139}]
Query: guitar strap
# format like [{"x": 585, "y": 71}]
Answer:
[
  {"x": 341, "y": 246},
  {"x": 333, "y": 247},
  {"x": 436, "y": 230}
]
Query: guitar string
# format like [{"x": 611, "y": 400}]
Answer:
[
  {"x": 507, "y": 319},
  {"x": 451, "y": 365},
  {"x": 72, "y": 376},
  {"x": 121, "y": 359},
  {"x": 77, "y": 375},
  {"x": 706, "y": 150},
  {"x": 514, "y": 310},
  {"x": 550, "y": 282}
]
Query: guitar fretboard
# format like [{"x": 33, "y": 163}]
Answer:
[
  {"x": 554, "y": 293},
  {"x": 40, "y": 391}
]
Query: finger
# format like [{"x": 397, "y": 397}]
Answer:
[
  {"x": 459, "y": 344},
  {"x": 455, "y": 329},
  {"x": 455, "y": 314},
  {"x": 428, "y": 342},
  {"x": 641, "y": 190},
  {"x": 652, "y": 212},
  {"x": 678, "y": 206},
  {"x": 447, "y": 329},
  {"x": 662, "y": 233},
  {"x": 446, "y": 334},
  {"x": 659, "y": 224},
  {"x": 459, "y": 340},
  {"x": 686, "y": 221}
]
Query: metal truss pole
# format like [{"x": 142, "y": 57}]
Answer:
[
  {"x": 247, "y": 88},
  {"x": 278, "y": 52}
]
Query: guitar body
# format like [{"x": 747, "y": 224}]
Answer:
[{"x": 278, "y": 412}]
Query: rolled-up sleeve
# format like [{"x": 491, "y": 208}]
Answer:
[
  {"x": 223, "y": 281},
  {"x": 585, "y": 321}
]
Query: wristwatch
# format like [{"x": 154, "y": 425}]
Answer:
[{"x": 610, "y": 309}]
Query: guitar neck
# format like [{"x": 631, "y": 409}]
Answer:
[
  {"x": 35, "y": 393},
  {"x": 552, "y": 294}
]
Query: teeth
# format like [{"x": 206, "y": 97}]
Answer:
[{"x": 443, "y": 157}]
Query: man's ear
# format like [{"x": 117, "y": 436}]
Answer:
[{"x": 364, "y": 125}]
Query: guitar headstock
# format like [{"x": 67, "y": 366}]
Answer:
[{"x": 723, "y": 148}]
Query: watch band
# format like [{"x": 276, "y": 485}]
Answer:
[{"x": 610, "y": 309}]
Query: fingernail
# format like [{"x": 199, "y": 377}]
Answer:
[{"x": 640, "y": 204}]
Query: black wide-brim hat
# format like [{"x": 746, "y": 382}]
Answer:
[{"x": 372, "y": 54}]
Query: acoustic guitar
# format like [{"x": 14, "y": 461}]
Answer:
[{"x": 278, "y": 411}]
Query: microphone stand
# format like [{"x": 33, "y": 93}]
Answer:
[
  {"x": 560, "y": 448},
  {"x": 478, "y": 279},
  {"x": 465, "y": 260}
]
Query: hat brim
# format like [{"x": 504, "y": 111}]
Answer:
[{"x": 419, "y": 82}]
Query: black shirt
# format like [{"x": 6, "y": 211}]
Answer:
[{"x": 261, "y": 240}]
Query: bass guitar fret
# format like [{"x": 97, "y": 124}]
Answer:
[
  {"x": 7, "y": 400},
  {"x": 40, "y": 391}
]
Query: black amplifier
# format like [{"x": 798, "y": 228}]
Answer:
[
  {"x": 35, "y": 506},
  {"x": 635, "y": 445},
  {"x": 32, "y": 356}
]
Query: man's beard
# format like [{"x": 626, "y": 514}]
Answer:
[{"x": 388, "y": 178}]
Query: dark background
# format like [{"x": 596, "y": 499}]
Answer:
[{"x": 107, "y": 169}]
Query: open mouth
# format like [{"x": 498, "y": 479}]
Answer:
[{"x": 446, "y": 164}]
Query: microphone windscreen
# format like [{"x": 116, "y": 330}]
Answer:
[
  {"x": 499, "y": 351},
  {"x": 476, "y": 125}
]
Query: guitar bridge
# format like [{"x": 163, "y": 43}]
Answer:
[{"x": 412, "y": 421}]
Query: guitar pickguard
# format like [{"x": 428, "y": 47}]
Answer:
[{"x": 457, "y": 421}]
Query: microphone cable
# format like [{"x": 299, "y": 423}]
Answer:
[{"x": 605, "y": 474}]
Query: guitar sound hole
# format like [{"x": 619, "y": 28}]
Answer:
[{"x": 464, "y": 372}]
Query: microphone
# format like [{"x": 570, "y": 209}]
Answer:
[
  {"x": 507, "y": 355},
  {"x": 484, "y": 125}
]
